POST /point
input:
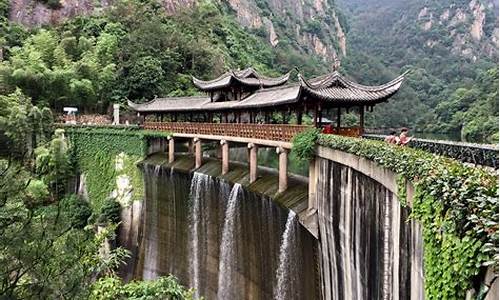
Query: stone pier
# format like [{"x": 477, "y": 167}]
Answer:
[
  {"x": 225, "y": 156},
  {"x": 252, "y": 161},
  {"x": 171, "y": 150},
  {"x": 283, "y": 169},
  {"x": 197, "y": 152}
]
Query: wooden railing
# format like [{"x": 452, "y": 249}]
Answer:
[
  {"x": 274, "y": 132},
  {"x": 347, "y": 131}
]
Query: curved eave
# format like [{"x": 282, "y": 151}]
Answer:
[
  {"x": 353, "y": 95},
  {"x": 227, "y": 78}
]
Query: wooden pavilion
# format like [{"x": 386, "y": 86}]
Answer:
[{"x": 249, "y": 97}]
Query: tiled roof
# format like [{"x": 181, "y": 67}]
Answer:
[
  {"x": 337, "y": 89},
  {"x": 248, "y": 77},
  {"x": 333, "y": 89}
]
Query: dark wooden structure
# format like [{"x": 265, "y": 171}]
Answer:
[{"x": 248, "y": 97}]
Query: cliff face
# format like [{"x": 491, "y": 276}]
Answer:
[{"x": 311, "y": 25}]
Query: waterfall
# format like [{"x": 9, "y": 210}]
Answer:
[
  {"x": 151, "y": 256},
  {"x": 227, "y": 246},
  {"x": 198, "y": 187},
  {"x": 283, "y": 273}
]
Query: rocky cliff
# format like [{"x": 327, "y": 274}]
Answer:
[{"x": 312, "y": 25}]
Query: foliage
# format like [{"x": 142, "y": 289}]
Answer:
[
  {"x": 95, "y": 150},
  {"x": 453, "y": 86},
  {"x": 110, "y": 212},
  {"x": 162, "y": 288},
  {"x": 304, "y": 144},
  {"x": 78, "y": 211},
  {"x": 456, "y": 204}
]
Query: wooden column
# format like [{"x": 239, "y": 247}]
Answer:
[
  {"x": 283, "y": 169},
  {"x": 252, "y": 161},
  {"x": 338, "y": 119},
  {"x": 320, "y": 114},
  {"x": 225, "y": 156},
  {"x": 197, "y": 152},
  {"x": 315, "y": 121},
  {"x": 361, "y": 119},
  {"x": 299, "y": 116},
  {"x": 171, "y": 150}
]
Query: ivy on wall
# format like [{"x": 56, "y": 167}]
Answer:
[
  {"x": 96, "y": 151},
  {"x": 457, "y": 206}
]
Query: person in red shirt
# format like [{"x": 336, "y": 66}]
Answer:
[
  {"x": 328, "y": 129},
  {"x": 403, "y": 137},
  {"x": 392, "y": 138}
]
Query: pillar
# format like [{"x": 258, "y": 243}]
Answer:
[
  {"x": 252, "y": 161},
  {"x": 313, "y": 180},
  {"x": 225, "y": 157},
  {"x": 116, "y": 114},
  {"x": 197, "y": 152},
  {"x": 338, "y": 120},
  {"x": 283, "y": 169},
  {"x": 361, "y": 119},
  {"x": 171, "y": 149}
]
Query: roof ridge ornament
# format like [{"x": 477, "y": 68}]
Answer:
[{"x": 336, "y": 64}]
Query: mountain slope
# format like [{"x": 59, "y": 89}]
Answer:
[
  {"x": 451, "y": 48},
  {"x": 311, "y": 26}
]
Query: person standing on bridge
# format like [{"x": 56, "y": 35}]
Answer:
[
  {"x": 403, "y": 137},
  {"x": 392, "y": 138}
]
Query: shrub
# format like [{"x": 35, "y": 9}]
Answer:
[
  {"x": 304, "y": 144},
  {"x": 110, "y": 212},
  {"x": 77, "y": 210}
]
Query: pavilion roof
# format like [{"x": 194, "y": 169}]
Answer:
[
  {"x": 332, "y": 89},
  {"x": 337, "y": 89},
  {"x": 248, "y": 77}
]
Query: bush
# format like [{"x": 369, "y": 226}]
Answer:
[
  {"x": 110, "y": 212},
  {"x": 304, "y": 144},
  {"x": 162, "y": 288},
  {"x": 77, "y": 210}
]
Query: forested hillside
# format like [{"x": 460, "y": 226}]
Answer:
[
  {"x": 134, "y": 50},
  {"x": 451, "y": 49},
  {"x": 89, "y": 55}
]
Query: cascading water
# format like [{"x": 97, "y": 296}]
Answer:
[
  {"x": 198, "y": 187},
  {"x": 227, "y": 246},
  {"x": 284, "y": 280},
  {"x": 151, "y": 257},
  {"x": 218, "y": 238}
]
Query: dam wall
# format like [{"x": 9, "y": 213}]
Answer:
[{"x": 369, "y": 249}]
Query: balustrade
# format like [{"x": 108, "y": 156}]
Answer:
[{"x": 275, "y": 132}]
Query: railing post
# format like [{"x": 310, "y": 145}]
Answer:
[
  {"x": 225, "y": 157},
  {"x": 197, "y": 152},
  {"x": 283, "y": 169},
  {"x": 171, "y": 149},
  {"x": 252, "y": 161},
  {"x": 313, "y": 181}
]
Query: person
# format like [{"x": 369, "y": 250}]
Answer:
[
  {"x": 403, "y": 137},
  {"x": 392, "y": 138},
  {"x": 328, "y": 129}
]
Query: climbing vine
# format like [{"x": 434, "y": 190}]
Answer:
[
  {"x": 105, "y": 155},
  {"x": 457, "y": 206}
]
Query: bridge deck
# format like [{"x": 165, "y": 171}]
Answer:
[{"x": 273, "y": 132}]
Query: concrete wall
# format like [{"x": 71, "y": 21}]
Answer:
[{"x": 368, "y": 248}]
